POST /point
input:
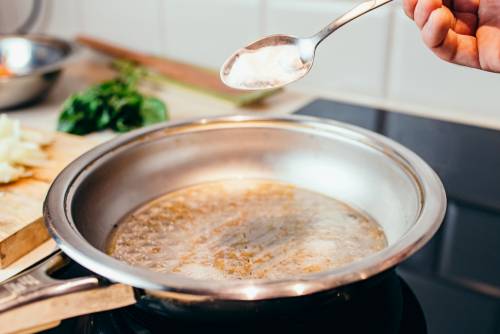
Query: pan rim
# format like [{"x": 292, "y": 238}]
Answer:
[{"x": 62, "y": 228}]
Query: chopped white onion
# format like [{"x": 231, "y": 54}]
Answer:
[{"x": 19, "y": 148}]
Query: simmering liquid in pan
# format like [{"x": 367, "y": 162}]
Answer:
[{"x": 244, "y": 229}]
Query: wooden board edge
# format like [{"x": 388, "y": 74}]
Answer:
[
  {"x": 41, "y": 313},
  {"x": 22, "y": 242},
  {"x": 39, "y": 328}
]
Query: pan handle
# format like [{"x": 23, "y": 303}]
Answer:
[
  {"x": 35, "y": 300},
  {"x": 36, "y": 284}
]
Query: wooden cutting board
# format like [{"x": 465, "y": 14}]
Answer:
[{"x": 21, "y": 224}]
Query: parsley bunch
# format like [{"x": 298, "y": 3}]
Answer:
[{"x": 114, "y": 104}]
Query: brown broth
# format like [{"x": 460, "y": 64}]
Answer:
[{"x": 245, "y": 229}]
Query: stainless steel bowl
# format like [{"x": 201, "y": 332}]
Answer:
[{"x": 35, "y": 62}]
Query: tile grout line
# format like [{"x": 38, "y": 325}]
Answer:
[
  {"x": 389, "y": 46},
  {"x": 80, "y": 12},
  {"x": 263, "y": 16},
  {"x": 163, "y": 43}
]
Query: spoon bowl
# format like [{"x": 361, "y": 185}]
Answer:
[
  {"x": 271, "y": 62},
  {"x": 277, "y": 60}
]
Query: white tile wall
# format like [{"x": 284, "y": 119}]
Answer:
[
  {"x": 420, "y": 78},
  {"x": 132, "y": 23},
  {"x": 352, "y": 60},
  {"x": 12, "y": 14},
  {"x": 57, "y": 17},
  {"x": 60, "y": 18},
  {"x": 207, "y": 32}
]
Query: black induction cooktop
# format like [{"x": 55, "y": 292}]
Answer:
[
  {"x": 451, "y": 286},
  {"x": 387, "y": 307},
  {"x": 456, "y": 277}
]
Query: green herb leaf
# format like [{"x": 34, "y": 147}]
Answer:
[
  {"x": 152, "y": 111},
  {"x": 114, "y": 104}
]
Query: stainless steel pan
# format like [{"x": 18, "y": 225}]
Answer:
[{"x": 366, "y": 170}]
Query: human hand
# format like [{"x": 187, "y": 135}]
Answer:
[{"x": 464, "y": 32}]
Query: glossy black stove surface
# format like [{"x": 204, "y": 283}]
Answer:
[
  {"x": 456, "y": 276},
  {"x": 388, "y": 308},
  {"x": 451, "y": 286}
]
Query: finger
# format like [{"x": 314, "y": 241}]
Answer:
[
  {"x": 488, "y": 39},
  {"x": 409, "y": 7},
  {"x": 423, "y": 10},
  {"x": 466, "y": 23},
  {"x": 466, "y": 6},
  {"x": 458, "y": 49},
  {"x": 437, "y": 26},
  {"x": 466, "y": 15}
]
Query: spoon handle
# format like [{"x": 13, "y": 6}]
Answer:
[{"x": 354, "y": 13}]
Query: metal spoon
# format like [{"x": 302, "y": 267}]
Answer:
[{"x": 278, "y": 60}]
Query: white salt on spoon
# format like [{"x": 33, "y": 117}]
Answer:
[
  {"x": 269, "y": 66},
  {"x": 278, "y": 60}
]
